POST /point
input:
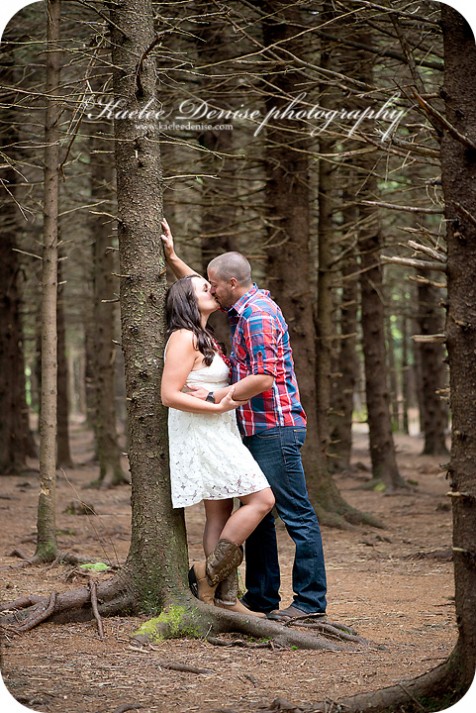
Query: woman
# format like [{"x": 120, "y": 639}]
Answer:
[{"x": 208, "y": 460}]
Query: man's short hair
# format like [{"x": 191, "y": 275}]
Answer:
[{"x": 232, "y": 264}]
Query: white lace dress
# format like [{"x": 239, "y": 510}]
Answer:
[{"x": 207, "y": 457}]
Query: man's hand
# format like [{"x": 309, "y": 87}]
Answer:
[
  {"x": 167, "y": 240},
  {"x": 197, "y": 391}
]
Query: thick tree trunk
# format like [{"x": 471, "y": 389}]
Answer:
[
  {"x": 459, "y": 188},
  {"x": 434, "y": 411},
  {"x": 46, "y": 549},
  {"x": 157, "y": 572}
]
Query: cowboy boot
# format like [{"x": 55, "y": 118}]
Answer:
[
  {"x": 204, "y": 577},
  {"x": 226, "y": 597}
]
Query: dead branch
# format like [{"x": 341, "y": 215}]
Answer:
[
  {"x": 429, "y": 338},
  {"x": 425, "y": 281},
  {"x": 452, "y": 130},
  {"x": 94, "y": 605},
  {"x": 413, "y": 262},
  {"x": 441, "y": 257},
  {"x": 172, "y": 666},
  {"x": 127, "y": 707},
  {"x": 465, "y": 212},
  {"x": 405, "y": 208}
]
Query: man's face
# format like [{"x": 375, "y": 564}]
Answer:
[{"x": 222, "y": 290}]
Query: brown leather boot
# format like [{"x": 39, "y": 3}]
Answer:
[
  {"x": 204, "y": 577},
  {"x": 199, "y": 583},
  {"x": 226, "y": 597}
]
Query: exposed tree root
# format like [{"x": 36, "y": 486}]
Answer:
[
  {"x": 113, "y": 596},
  {"x": 202, "y": 621},
  {"x": 346, "y": 517},
  {"x": 190, "y": 618},
  {"x": 437, "y": 689}
]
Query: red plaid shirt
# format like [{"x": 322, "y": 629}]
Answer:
[{"x": 260, "y": 345}]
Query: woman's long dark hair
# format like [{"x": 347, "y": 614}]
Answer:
[{"x": 181, "y": 312}]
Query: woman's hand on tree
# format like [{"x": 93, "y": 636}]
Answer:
[{"x": 167, "y": 240}]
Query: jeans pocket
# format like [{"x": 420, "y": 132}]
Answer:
[
  {"x": 270, "y": 434},
  {"x": 300, "y": 436}
]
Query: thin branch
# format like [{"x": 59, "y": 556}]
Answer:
[
  {"x": 465, "y": 212},
  {"x": 429, "y": 338},
  {"x": 441, "y": 257},
  {"x": 420, "y": 280},
  {"x": 94, "y": 604},
  {"x": 405, "y": 208},
  {"x": 413, "y": 262},
  {"x": 453, "y": 131}
]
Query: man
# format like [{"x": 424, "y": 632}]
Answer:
[{"x": 273, "y": 425}]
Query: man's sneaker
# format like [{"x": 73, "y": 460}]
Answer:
[{"x": 293, "y": 612}]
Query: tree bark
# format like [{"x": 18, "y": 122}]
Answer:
[
  {"x": 459, "y": 188},
  {"x": 64, "y": 458},
  {"x": 108, "y": 450},
  {"x": 14, "y": 427},
  {"x": 446, "y": 684},
  {"x": 382, "y": 447},
  {"x": 288, "y": 201},
  {"x": 434, "y": 411},
  {"x": 46, "y": 548},
  {"x": 343, "y": 386}
]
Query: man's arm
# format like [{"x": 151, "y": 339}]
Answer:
[
  {"x": 178, "y": 266},
  {"x": 243, "y": 390}
]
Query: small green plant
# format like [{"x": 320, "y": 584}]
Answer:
[{"x": 95, "y": 567}]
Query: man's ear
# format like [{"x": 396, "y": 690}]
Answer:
[{"x": 233, "y": 282}]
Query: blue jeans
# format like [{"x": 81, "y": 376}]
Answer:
[{"x": 278, "y": 452}]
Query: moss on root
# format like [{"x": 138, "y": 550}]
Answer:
[{"x": 175, "y": 622}]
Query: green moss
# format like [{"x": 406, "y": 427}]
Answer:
[{"x": 175, "y": 622}]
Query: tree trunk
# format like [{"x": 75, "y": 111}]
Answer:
[
  {"x": 446, "y": 684},
  {"x": 157, "y": 572},
  {"x": 105, "y": 288},
  {"x": 46, "y": 549},
  {"x": 382, "y": 447},
  {"x": 219, "y": 198},
  {"x": 288, "y": 201},
  {"x": 14, "y": 428},
  {"x": 63, "y": 451},
  {"x": 434, "y": 411},
  {"x": 346, "y": 366},
  {"x": 459, "y": 188}
]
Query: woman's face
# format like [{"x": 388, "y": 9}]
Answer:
[{"x": 205, "y": 300}]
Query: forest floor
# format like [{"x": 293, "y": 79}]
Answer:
[{"x": 394, "y": 586}]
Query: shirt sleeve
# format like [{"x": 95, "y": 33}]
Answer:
[{"x": 261, "y": 334}]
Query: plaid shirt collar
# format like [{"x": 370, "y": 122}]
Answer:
[{"x": 240, "y": 305}]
